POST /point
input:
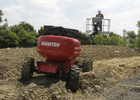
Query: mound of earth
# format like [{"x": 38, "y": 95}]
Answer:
[{"x": 107, "y": 75}]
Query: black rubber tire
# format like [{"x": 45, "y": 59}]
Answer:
[
  {"x": 87, "y": 65},
  {"x": 74, "y": 77},
  {"x": 27, "y": 69}
]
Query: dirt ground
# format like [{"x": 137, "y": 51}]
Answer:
[{"x": 115, "y": 76}]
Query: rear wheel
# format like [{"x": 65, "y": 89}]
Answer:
[
  {"x": 74, "y": 77},
  {"x": 87, "y": 65},
  {"x": 27, "y": 69}
]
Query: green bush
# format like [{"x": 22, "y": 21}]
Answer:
[
  {"x": 22, "y": 34},
  {"x": 8, "y": 39},
  {"x": 26, "y": 33},
  {"x": 138, "y": 43},
  {"x": 98, "y": 39}
]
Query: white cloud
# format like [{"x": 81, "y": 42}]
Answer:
[
  {"x": 73, "y": 13},
  {"x": 68, "y": 1},
  {"x": 14, "y": 14},
  {"x": 125, "y": 20},
  {"x": 37, "y": 12},
  {"x": 137, "y": 3}
]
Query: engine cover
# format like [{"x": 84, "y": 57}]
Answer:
[{"x": 58, "y": 48}]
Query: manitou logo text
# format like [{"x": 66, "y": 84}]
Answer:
[
  {"x": 77, "y": 48},
  {"x": 51, "y": 44}
]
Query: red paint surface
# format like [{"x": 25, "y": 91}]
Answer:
[
  {"x": 47, "y": 67},
  {"x": 66, "y": 50}
]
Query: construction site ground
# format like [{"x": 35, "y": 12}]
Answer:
[{"x": 115, "y": 76}]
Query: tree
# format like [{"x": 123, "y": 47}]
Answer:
[
  {"x": 122, "y": 42},
  {"x": 11, "y": 39},
  {"x": 8, "y": 38},
  {"x": 26, "y": 33},
  {"x": 114, "y": 40},
  {"x": 132, "y": 39},
  {"x": 1, "y": 14},
  {"x": 104, "y": 39},
  {"x": 22, "y": 34},
  {"x": 132, "y": 42},
  {"x": 1, "y": 20},
  {"x": 138, "y": 24},
  {"x": 98, "y": 39},
  {"x": 27, "y": 39},
  {"x": 24, "y": 26},
  {"x": 15, "y": 28},
  {"x": 113, "y": 34},
  {"x": 138, "y": 43},
  {"x": 131, "y": 34}
]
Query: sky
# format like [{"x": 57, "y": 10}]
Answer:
[{"x": 123, "y": 14}]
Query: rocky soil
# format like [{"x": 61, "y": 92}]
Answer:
[{"x": 115, "y": 76}]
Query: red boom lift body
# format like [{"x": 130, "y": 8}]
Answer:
[
  {"x": 60, "y": 49},
  {"x": 60, "y": 52}
]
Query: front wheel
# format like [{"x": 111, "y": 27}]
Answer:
[
  {"x": 27, "y": 69},
  {"x": 74, "y": 77}
]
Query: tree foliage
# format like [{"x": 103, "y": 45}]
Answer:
[
  {"x": 138, "y": 24},
  {"x": 138, "y": 42},
  {"x": 8, "y": 38},
  {"x": 26, "y": 33},
  {"x": 22, "y": 34},
  {"x": 131, "y": 34},
  {"x": 1, "y": 13},
  {"x": 112, "y": 34},
  {"x": 112, "y": 39},
  {"x": 98, "y": 39}
]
